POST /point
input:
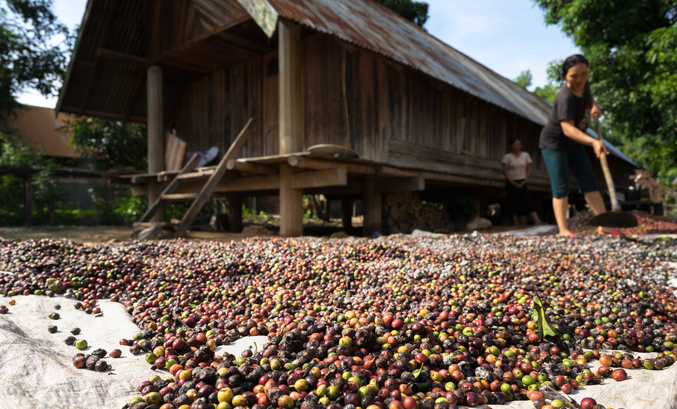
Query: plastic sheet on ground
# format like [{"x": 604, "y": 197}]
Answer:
[{"x": 37, "y": 369}]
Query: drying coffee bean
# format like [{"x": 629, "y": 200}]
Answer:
[
  {"x": 101, "y": 366},
  {"x": 449, "y": 321},
  {"x": 99, "y": 352},
  {"x": 79, "y": 362},
  {"x": 52, "y": 329},
  {"x": 116, "y": 353},
  {"x": 75, "y": 331},
  {"x": 70, "y": 340},
  {"x": 54, "y": 316}
]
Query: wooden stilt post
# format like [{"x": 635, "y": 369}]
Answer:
[
  {"x": 235, "y": 213},
  {"x": 156, "y": 148},
  {"x": 291, "y": 205},
  {"x": 346, "y": 213},
  {"x": 372, "y": 208},
  {"x": 291, "y": 125}
]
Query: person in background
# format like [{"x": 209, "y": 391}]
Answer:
[
  {"x": 562, "y": 143},
  {"x": 517, "y": 169}
]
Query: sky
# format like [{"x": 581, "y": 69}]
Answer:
[{"x": 508, "y": 36}]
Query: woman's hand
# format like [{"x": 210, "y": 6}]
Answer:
[{"x": 599, "y": 147}]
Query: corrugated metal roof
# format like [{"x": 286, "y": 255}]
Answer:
[
  {"x": 369, "y": 25},
  {"x": 39, "y": 128}
]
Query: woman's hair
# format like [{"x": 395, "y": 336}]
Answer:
[
  {"x": 512, "y": 141},
  {"x": 571, "y": 62}
]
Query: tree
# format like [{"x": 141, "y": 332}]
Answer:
[
  {"x": 524, "y": 80},
  {"x": 16, "y": 154},
  {"x": 549, "y": 91},
  {"x": 110, "y": 143},
  {"x": 34, "y": 49},
  {"x": 413, "y": 10},
  {"x": 632, "y": 49}
]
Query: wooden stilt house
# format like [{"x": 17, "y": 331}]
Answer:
[{"x": 420, "y": 115}]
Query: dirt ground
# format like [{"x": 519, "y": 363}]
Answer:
[{"x": 103, "y": 234}]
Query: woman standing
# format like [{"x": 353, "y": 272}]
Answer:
[
  {"x": 517, "y": 169},
  {"x": 563, "y": 138}
]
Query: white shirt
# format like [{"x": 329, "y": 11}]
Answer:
[{"x": 517, "y": 165}]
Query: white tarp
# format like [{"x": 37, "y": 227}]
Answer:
[{"x": 36, "y": 369}]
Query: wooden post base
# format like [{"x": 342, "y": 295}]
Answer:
[
  {"x": 291, "y": 205},
  {"x": 372, "y": 208}
]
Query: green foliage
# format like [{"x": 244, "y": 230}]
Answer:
[
  {"x": 632, "y": 49},
  {"x": 413, "y": 10},
  {"x": 110, "y": 144},
  {"x": 247, "y": 212},
  {"x": 524, "y": 80},
  {"x": 548, "y": 92},
  {"x": 46, "y": 190},
  {"x": 34, "y": 50}
]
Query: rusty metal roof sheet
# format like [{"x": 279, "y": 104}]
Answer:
[
  {"x": 38, "y": 127},
  {"x": 369, "y": 25}
]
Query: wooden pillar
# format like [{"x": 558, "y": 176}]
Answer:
[
  {"x": 291, "y": 88},
  {"x": 156, "y": 141},
  {"x": 372, "y": 208},
  {"x": 346, "y": 213},
  {"x": 235, "y": 213},
  {"x": 290, "y": 124},
  {"x": 28, "y": 200},
  {"x": 291, "y": 205}
]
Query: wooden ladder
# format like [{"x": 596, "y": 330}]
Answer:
[{"x": 199, "y": 199}]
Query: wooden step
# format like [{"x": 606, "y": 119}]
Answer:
[
  {"x": 179, "y": 197},
  {"x": 196, "y": 175}
]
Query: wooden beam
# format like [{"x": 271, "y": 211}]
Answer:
[
  {"x": 246, "y": 167},
  {"x": 352, "y": 167},
  {"x": 319, "y": 178},
  {"x": 249, "y": 184},
  {"x": 252, "y": 45},
  {"x": 156, "y": 139},
  {"x": 372, "y": 208},
  {"x": 415, "y": 184},
  {"x": 179, "y": 197},
  {"x": 312, "y": 163},
  {"x": 179, "y": 49},
  {"x": 213, "y": 181},
  {"x": 351, "y": 189},
  {"x": 122, "y": 57},
  {"x": 291, "y": 88}
]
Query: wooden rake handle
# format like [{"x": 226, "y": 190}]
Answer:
[{"x": 615, "y": 206}]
